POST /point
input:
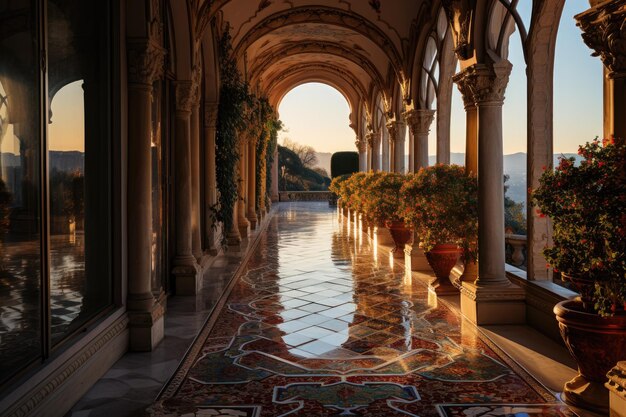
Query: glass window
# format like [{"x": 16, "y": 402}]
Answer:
[
  {"x": 20, "y": 159},
  {"x": 78, "y": 164}
]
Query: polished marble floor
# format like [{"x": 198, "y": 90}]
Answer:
[{"x": 322, "y": 323}]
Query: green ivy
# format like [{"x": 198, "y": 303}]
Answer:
[
  {"x": 231, "y": 121},
  {"x": 275, "y": 126}
]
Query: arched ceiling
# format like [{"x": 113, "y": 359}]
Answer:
[{"x": 356, "y": 46}]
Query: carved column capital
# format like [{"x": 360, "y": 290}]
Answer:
[
  {"x": 395, "y": 127},
  {"x": 462, "y": 82},
  {"x": 185, "y": 95},
  {"x": 210, "y": 115},
  {"x": 604, "y": 31},
  {"x": 361, "y": 144},
  {"x": 419, "y": 121},
  {"x": 487, "y": 83},
  {"x": 369, "y": 139},
  {"x": 146, "y": 61}
]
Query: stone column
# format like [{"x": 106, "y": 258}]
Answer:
[
  {"x": 242, "y": 188},
  {"x": 186, "y": 269},
  {"x": 275, "y": 176},
  {"x": 196, "y": 224},
  {"x": 419, "y": 121},
  {"x": 362, "y": 147},
  {"x": 411, "y": 151},
  {"x": 145, "y": 65},
  {"x": 373, "y": 139},
  {"x": 603, "y": 31},
  {"x": 397, "y": 133},
  {"x": 392, "y": 146},
  {"x": 210, "y": 183},
  {"x": 491, "y": 299},
  {"x": 385, "y": 144},
  {"x": 251, "y": 203},
  {"x": 471, "y": 123}
]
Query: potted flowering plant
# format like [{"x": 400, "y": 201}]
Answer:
[
  {"x": 338, "y": 187},
  {"x": 587, "y": 206},
  {"x": 380, "y": 204},
  {"x": 354, "y": 191},
  {"x": 440, "y": 202}
]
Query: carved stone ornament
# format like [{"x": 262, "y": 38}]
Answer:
[
  {"x": 420, "y": 120},
  {"x": 185, "y": 95},
  {"x": 146, "y": 60},
  {"x": 617, "y": 379},
  {"x": 210, "y": 115},
  {"x": 604, "y": 31},
  {"x": 460, "y": 15},
  {"x": 462, "y": 82},
  {"x": 392, "y": 128},
  {"x": 361, "y": 145},
  {"x": 369, "y": 138},
  {"x": 488, "y": 82}
]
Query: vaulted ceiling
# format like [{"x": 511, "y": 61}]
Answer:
[{"x": 361, "y": 47}]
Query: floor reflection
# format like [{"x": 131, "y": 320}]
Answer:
[{"x": 317, "y": 326}]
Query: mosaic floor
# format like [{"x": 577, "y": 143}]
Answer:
[{"x": 320, "y": 323}]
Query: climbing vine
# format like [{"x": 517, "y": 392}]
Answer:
[
  {"x": 230, "y": 122},
  {"x": 275, "y": 126}
]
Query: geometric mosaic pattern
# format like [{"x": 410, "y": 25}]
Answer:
[{"x": 319, "y": 324}]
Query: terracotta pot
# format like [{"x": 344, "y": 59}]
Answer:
[
  {"x": 401, "y": 235},
  {"x": 442, "y": 259},
  {"x": 597, "y": 344}
]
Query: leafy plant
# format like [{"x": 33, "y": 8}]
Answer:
[
  {"x": 441, "y": 203},
  {"x": 380, "y": 196},
  {"x": 587, "y": 205}
]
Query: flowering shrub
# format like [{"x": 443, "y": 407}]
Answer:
[
  {"x": 441, "y": 203},
  {"x": 354, "y": 191},
  {"x": 587, "y": 205},
  {"x": 381, "y": 196},
  {"x": 339, "y": 186}
]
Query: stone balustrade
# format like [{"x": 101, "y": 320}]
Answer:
[
  {"x": 304, "y": 195},
  {"x": 516, "y": 246}
]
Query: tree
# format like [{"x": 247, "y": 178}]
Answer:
[
  {"x": 306, "y": 153},
  {"x": 514, "y": 216},
  {"x": 298, "y": 177}
]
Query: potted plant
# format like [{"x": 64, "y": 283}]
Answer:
[
  {"x": 440, "y": 202},
  {"x": 587, "y": 205},
  {"x": 354, "y": 194},
  {"x": 380, "y": 206},
  {"x": 338, "y": 188}
]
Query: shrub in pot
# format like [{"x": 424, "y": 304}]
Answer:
[
  {"x": 587, "y": 205},
  {"x": 338, "y": 187},
  {"x": 440, "y": 203}
]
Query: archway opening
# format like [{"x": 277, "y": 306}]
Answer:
[{"x": 316, "y": 123}]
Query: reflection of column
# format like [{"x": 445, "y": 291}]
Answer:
[
  {"x": 275, "y": 176},
  {"x": 419, "y": 121},
  {"x": 185, "y": 268},
  {"x": 471, "y": 123},
  {"x": 145, "y": 64},
  {"x": 210, "y": 184},
  {"x": 397, "y": 133},
  {"x": 251, "y": 212},
  {"x": 362, "y": 147},
  {"x": 196, "y": 239},
  {"x": 491, "y": 298},
  {"x": 242, "y": 221},
  {"x": 385, "y": 142}
]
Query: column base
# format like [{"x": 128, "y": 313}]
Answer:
[
  {"x": 244, "y": 230},
  {"x": 383, "y": 236},
  {"x": 146, "y": 328},
  {"x": 187, "y": 276},
  {"x": 415, "y": 258},
  {"x": 589, "y": 395},
  {"x": 497, "y": 304},
  {"x": 253, "y": 221},
  {"x": 442, "y": 287}
]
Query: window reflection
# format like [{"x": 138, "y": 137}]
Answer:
[{"x": 20, "y": 274}]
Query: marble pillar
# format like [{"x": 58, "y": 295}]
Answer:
[
  {"x": 196, "y": 224},
  {"x": 210, "y": 182},
  {"x": 251, "y": 213},
  {"x": 145, "y": 65},
  {"x": 397, "y": 134},
  {"x": 186, "y": 271},
  {"x": 362, "y": 148},
  {"x": 419, "y": 122},
  {"x": 471, "y": 123},
  {"x": 242, "y": 189},
  {"x": 492, "y": 298},
  {"x": 385, "y": 145}
]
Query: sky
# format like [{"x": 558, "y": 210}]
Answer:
[{"x": 317, "y": 115}]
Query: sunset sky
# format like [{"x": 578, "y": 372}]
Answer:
[{"x": 317, "y": 115}]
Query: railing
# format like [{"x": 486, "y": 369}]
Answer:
[
  {"x": 516, "y": 250},
  {"x": 304, "y": 195}
]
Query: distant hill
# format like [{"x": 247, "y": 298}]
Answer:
[
  {"x": 60, "y": 160},
  {"x": 323, "y": 160}
]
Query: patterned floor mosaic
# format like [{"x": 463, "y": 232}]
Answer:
[{"x": 321, "y": 324}]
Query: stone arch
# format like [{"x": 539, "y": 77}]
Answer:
[
  {"x": 211, "y": 71},
  {"x": 182, "y": 39}
]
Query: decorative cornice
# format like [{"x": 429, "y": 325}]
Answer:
[
  {"x": 487, "y": 83},
  {"x": 47, "y": 388},
  {"x": 617, "y": 380},
  {"x": 419, "y": 120},
  {"x": 604, "y": 31},
  {"x": 146, "y": 61},
  {"x": 210, "y": 115}
]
